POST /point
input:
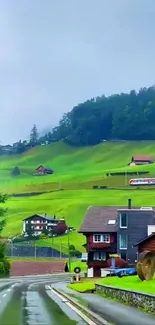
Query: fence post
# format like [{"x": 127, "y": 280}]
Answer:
[
  {"x": 35, "y": 253},
  {"x": 12, "y": 249},
  {"x": 60, "y": 250}
]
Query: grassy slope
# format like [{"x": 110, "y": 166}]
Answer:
[
  {"x": 70, "y": 164},
  {"x": 77, "y": 169},
  {"x": 129, "y": 282}
]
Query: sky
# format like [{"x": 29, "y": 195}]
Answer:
[{"x": 55, "y": 54}]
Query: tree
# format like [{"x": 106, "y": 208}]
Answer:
[
  {"x": 16, "y": 171},
  {"x": 4, "y": 262},
  {"x": 34, "y": 135},
  {"x": 3, "y": 199},
  {"x": 29, "y": 229}
]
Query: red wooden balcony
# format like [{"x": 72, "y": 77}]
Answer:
[{"x": 99, "y": 245}]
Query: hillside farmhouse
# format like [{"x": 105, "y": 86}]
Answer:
[
  {"x": 41, "y": 170},
  {"x": 38, "y": 224},
  {"x": 114, "y": 230},
  {"x": 141, "y": 160}
]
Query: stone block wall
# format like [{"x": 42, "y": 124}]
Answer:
[{"x": 133, "y": 298}]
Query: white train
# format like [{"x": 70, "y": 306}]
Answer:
[{"x": 142, "y": 181}]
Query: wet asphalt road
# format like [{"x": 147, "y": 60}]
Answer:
[
  {"x": 113, "y": 312},
  {"x": 29, "y": 301}
]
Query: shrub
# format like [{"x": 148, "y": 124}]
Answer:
[
  {"x": 71, "y": 247},
  {"x": 16, "y": 171},
  {"x": 7, "y": 266},
  {"x": 2, "y": 271},
  {"x": 43, "y": 236}
]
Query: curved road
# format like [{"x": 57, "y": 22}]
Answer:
[{"x": 29, "y": 301}]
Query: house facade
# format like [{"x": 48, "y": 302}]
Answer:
[
  {"x": 41, "y": 170},
  {"x": 141, "y": 160},
  {"x": 38, "y": 224},
  {"x": 114, "y": 230}
]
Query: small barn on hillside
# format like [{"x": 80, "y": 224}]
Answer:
[
  {"x": 141, "y": 160},
  {"x": 42, "y": 170}
]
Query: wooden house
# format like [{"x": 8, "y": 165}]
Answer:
[
  {"x": 141, "y": 160},
  {"x": 41, "y": 170},
  {"x": 114, "y": 230}
]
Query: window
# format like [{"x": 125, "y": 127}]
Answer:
[
  {"x": 111, "y": 222},
  {"x": 123, "y": 255},
  {"x": 123, "y": 241},
  {"x": 97, "y": 238},
  {"x": 101, "y": 238},
  {"x": 123, "y": 220},
  {"x": 106, "y": 238},
  {"x": 99, "y": 256}
]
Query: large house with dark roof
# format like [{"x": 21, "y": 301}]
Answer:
[
  {"x": 38, "y": 223},
  {"x": 114, "y": 230}
]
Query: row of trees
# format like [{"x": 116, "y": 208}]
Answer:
[{"x": 117, "y": 117}]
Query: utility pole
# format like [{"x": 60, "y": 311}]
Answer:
[
  {"x": 126, "y": 178},
  {"x": 69, "y": 258}
]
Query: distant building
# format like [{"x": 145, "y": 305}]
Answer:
[
  {"x": 38, "y": 223},
  {"x": 141, "y": 160},
  {"x": 41, "y": 170},
  {"x": 114, "y": 230}
]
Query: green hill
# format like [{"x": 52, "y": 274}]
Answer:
[
  {"x": 70, "y": 164},
  {"x": 76, "y": 170}
]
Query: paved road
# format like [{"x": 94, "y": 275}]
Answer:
[
  {"x": 29, "y": 301},
  {"x": 113, "y": 312}
]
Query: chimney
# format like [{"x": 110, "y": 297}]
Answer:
[{"x": 129, "y": 204}]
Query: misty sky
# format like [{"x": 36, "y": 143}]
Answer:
[{"x": 55, "y": 54}]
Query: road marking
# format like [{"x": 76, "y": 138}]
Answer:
[
  {"x": 9, "y": 289},
  {"x": 4, "y": 295},
  {"x": 88, "y": 320},
  {"x": 76, "y": 310}
]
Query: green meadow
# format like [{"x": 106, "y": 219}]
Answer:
[{"x": 76, "y": 170}]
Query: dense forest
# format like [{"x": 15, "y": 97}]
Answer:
[{"x": 117, "y": 117}]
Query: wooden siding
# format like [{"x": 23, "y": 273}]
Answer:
[{"x": 148, "y": 245}]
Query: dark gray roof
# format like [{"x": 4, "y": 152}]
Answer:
[
  {"x": 42, "y": 216},
  {"x": 96, "y": 219}
]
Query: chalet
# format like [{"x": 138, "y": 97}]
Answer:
[
  {"x": 41, "y": 170},
  {"x": 38, "y": 223},
  {"x": 114, "y": 230},
  {"x": 141, "y": 160}
]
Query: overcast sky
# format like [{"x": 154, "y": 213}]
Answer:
[{"x": 57, "y": 53}]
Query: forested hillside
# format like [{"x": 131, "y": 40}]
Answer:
[{"x": 121, "y": 116}]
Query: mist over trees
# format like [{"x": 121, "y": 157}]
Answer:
[
  {"x": 117, "y": 117},
  {"x": 125, "y": 116}
]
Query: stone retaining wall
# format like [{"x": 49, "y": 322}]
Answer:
[{"x": 133, "y": 298}]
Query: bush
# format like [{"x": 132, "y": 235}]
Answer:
[
  {"x": 7, "y": 266},
  {"x": 16, "y": 171},
  {"x": 71, "y": 247},
  {"x": 2, "y": 271}
]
